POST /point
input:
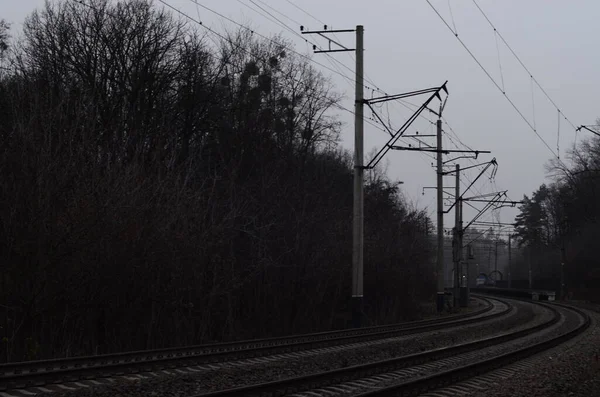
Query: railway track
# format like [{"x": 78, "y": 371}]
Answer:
[
  {"x": 46, "y": 372},
  {"x": 418, "y": 373},
  {"x": 479, "y": 367}
]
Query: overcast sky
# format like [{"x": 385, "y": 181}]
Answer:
[{"x": 408, "y": 47}]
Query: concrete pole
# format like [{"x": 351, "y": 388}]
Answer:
[
  {"x": 489, "y": 260},
  {"x": 457, "y": 242},
  {"x": 563, "y": 254},
  {"x": 562, "y": 276},
  {"x": 358, "y": 218},
  {"x": 496, "y": 259},
  {"x": 562, "y": 269},
  {"x": 509, "y": 260},
  {"x": 465, "y": 302},
  {"x": 530, "y": 278},
  {"x": 440, "y": 221}
]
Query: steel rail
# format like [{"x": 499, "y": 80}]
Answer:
[
  {"x": 356, "y": 372},
  {"x": 449, "y": 377},
  {"x": 37, "y": 373}
]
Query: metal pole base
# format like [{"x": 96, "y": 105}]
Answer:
[
  {"x": 440, "y": 302},
  {"x": 357, "y": 309},
  {"x": 464, "y": 297},
  {"x": 456, "y": 297}
]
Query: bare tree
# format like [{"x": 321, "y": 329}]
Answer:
[{"x": 158, "y": 190}]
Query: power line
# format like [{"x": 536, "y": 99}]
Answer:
[
  {"x": 495, "y": 83},
  {"x": 285, "y": 26},
  {"x": 367, "y": 77},
  {"x": 248, "y": 29},
  {"x": 452, "y": 16},
  {"x": 223, "y": 37},
  {"x": 455, "y": 134},
  {"x": 371, "y": 82},
  {"x": 200, "y": 23},
  {"x": 465, "y": 174},
  {"x": 281, "y": 24},
  {"x": 412, "y": 107},
  {"x": 205, "y": 27},
  {"x": 332, "y": 60},
  {"x": 306, "y": 12},
  {"x": 521, "y": 62},
  {"x": 330, "y": 57},
  {"x": 533, "y": 79},
  {"x": 499, "y": 62},
  {"x": 405, "y": 104},
  {"x": 471, "y": 161},
  {"x": 381, "y": 105},
  {"x": 374, "y": 123},
  {"x": 279, "y": 12},
  {"x": 226, "y": 39}
]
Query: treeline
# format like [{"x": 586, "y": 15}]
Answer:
[
  {"x": 560, "y": 223},
  {"x": 163, "y": 187}
]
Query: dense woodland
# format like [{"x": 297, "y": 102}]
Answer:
[
  {"x": 560, "y": 223},
  {"x": 164, "y": 186}
]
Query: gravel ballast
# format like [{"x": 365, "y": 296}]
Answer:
[
  {"x": 568, "y": 321},
  {"x": 571, "y": 369},
  {"x": 247, "y": 372}
]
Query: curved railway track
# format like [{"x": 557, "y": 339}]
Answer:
[
  {"x": 39, "y": 373},
  {"x": 460, "y": 373},
  {"x": 416, "y": 373}
]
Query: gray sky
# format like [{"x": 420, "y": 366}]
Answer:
[{"x": 408, "y": 48}]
